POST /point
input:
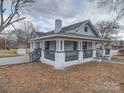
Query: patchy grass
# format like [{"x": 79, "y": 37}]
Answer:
[
  {"x": 118, "y": 58},
  {"x": 8, "y": 53},
  {"x": 92, "y": 77}
]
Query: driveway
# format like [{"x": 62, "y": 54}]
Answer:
[{"x": 14, "y": 60}]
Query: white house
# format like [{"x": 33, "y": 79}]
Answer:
[{"x": 65, "y": 46}]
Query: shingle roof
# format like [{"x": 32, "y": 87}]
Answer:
[
  {"x": 65, "y": 29},
  {"x": 73, "y": 26},
  {"x": 40, "y": 34}
]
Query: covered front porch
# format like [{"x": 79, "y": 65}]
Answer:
[{"x": 66, "y": 52}]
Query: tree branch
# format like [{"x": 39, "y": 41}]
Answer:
[
  {"x": 16, "y": 6},
  {"x": 14, "y": 22},
  {"x": 1, "y": 11}
]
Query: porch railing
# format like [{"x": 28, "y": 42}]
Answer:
[
  {"x": 35, "y": 55},
  {"x": 88, "y": 53},
  {"x": 107, "y": 51},
  {"x": 71, "y": 55},
  {"x": 99, "y": 52},
  {"x": 49, "y": 54}
]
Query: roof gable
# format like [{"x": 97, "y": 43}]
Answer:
[
  {"x": 72, "y": 29},
  {"x": 73, "y": 26},
  {"x": 80, "y": 29},
  {"x": 93, "y": 28},
  {"x": 33, "y": 35}
]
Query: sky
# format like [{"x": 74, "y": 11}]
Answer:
[{"x": 44, "y": 12}]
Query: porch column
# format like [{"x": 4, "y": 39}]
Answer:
[
  {"x": 41, "y": 45},
  {"x": 43, "y": 48},
  {"x": 94, "y": 49},
  {"x": 110, "y": 54},
  {"x": 103, "y": 49},
  {"x": 80, "y": 51},
  {"x": 34, "y": 45},
  {"x": 31, "y": 46},
  {"x": 59, "y": 54}
]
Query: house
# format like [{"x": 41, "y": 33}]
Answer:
[
  {"x": 117, "y": 44},
  {"x": 65, "y": 46}
]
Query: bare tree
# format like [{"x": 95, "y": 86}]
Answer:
[
  {"x": 19, "y": 36},
  {"x": 114, "y": 5},
  {"x": 28, "y": 28},
  {"x": 106, "y": 29},
  {"x": 15, "y": 8}
]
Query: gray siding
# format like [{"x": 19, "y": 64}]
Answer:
[{"x": 82, "y": 31}]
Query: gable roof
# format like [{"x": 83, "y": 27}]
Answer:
[
  {"x": 70, "y": 28},
  {"x": 73, "y": 26}
]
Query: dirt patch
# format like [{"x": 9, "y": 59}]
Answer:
[{"x": 92, "y": 77}]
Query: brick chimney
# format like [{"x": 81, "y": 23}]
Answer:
[{"x": 58, "y": 25}]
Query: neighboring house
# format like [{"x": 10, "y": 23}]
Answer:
[
  {"x": 65, "y": 46},
  {"x": 117, "y": 44}
]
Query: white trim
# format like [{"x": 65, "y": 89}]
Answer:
[{"x": 72, "y": 36}]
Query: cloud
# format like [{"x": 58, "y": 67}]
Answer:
[
  {"x": 44, "y": 12},
  {"x": 57, "y": 8}
]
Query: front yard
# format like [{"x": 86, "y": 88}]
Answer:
[
  {"x": 8, "y": 53},
  {"x": 92, "y": 77}
]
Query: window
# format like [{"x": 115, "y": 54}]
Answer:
[
  {"x": 47, "y": 45},
  {"x": 86, "y": 28},
  {"x": 84, "y": 45},
  {"x": 75, "y": 45}
]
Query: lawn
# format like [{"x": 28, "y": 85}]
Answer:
[
  {"x": 118, "y": 58},
  {"x": 92, "y": 77},
  {"x": 8, "y": 53}
]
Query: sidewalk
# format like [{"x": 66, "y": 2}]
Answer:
[
  {"x": 115, "y": 62},
  {"x": 14, "y": 60}
]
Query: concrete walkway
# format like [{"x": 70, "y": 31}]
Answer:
[
  {"x": 115, "y": 62},
  {"x": 14, "y": 60}
]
